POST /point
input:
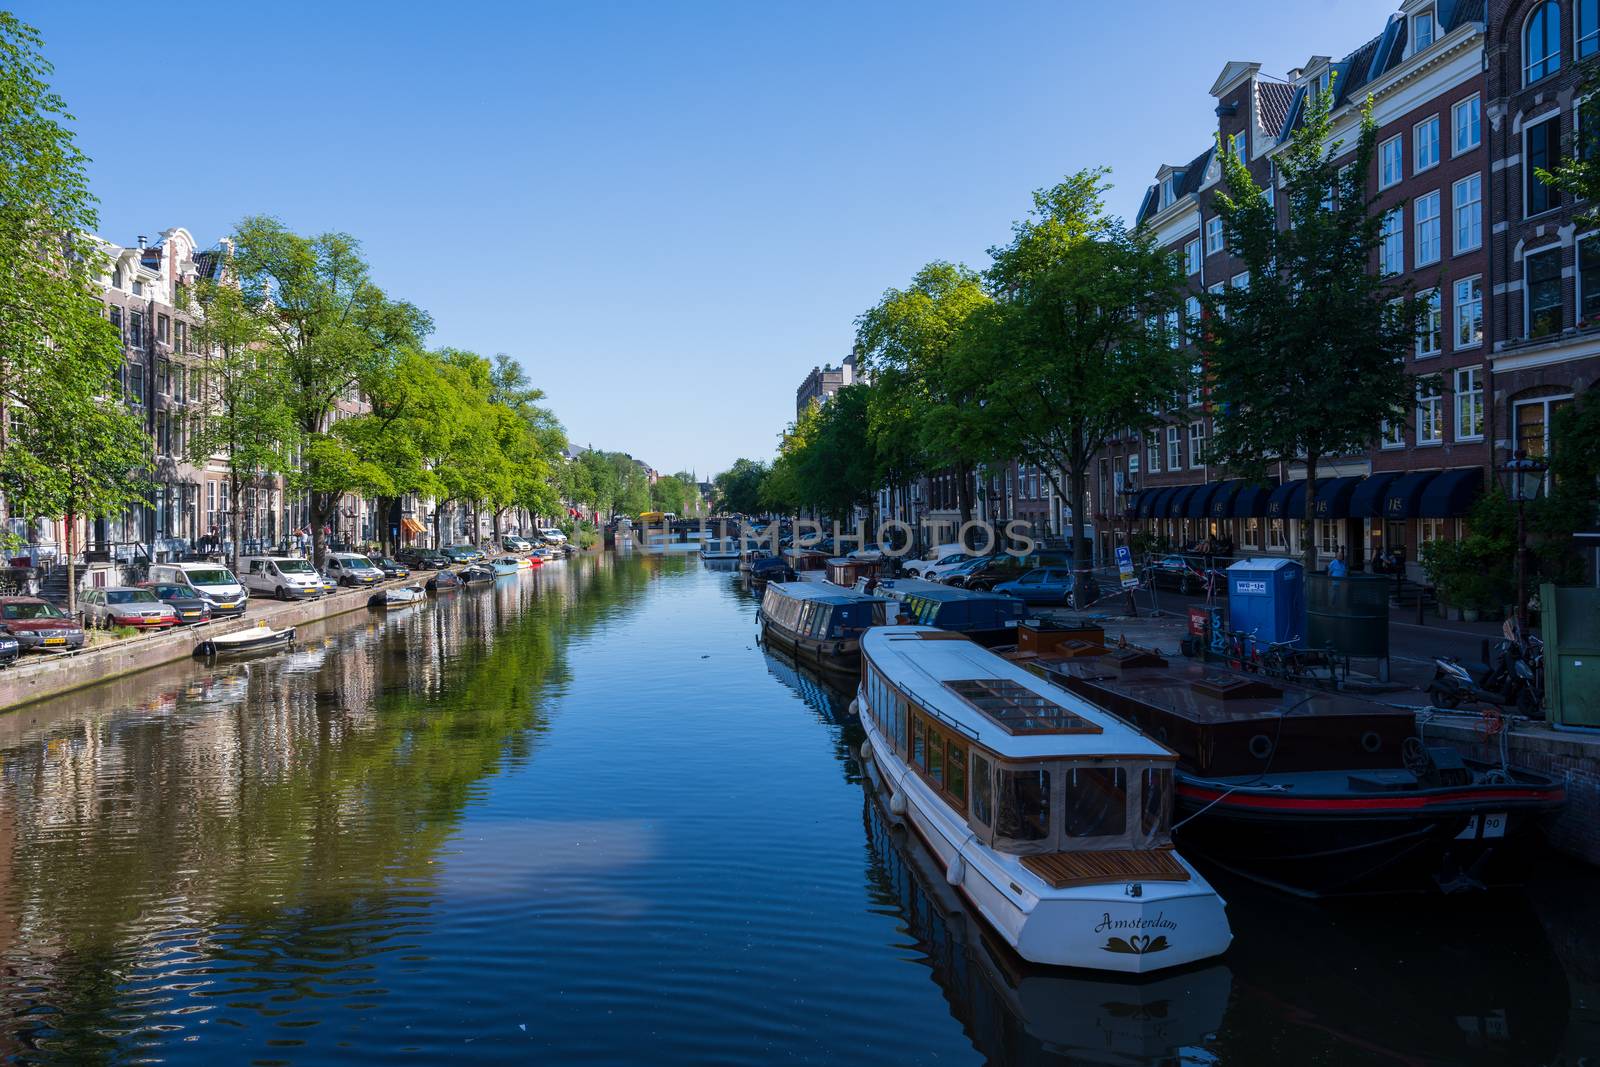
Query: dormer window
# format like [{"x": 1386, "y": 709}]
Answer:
[
  {"x": 1421, "y": 30},
  {"x": 116, "y": 278},
  {"x": 1323, "y": 81},
  {"x": 1239, "y": 145}
]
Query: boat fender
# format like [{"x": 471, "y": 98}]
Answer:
[
  {"x": 855, "y": 705},
  {"x": 897, "y": 803},
  {"x": 956, "y": 873},
  {"x": 1261, "y": 746},
  {"x": 866, "y": 751}
]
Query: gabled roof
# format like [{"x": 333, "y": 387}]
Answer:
[
  {"x": 1193, "y": 174},
  {"x": 1273, "y": 99}
]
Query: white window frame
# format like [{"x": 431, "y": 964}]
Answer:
[
  {"x": 1527, "y": 173},
  {"x": 1197, "y": 444},
  {"x": 1241, "y": 280},
  {"x": 1391, "y": 434},
  {"x": 1394, "y": 228},
  {"x": 1516, "y": 421},
  {"x": 1577, "y": 272},
  {"x": 1475, "y": 241},
  {"x": 1430, "y": 410},
  {"x": 1417, "y": 44},
  {"x": 1458, "y": 306},
  {"x": 1419, "y": 223},
  {"x": 1174, "y": 448},
  {"x": 1417, "y": 165},
  {"x": 1475, "y": 127},
  {"x": 1153, "y": 451},
  {"x": 1578, "y": 36},
  {"x": 1214, "y": 236},
  {"x": 1473, "y": 376},
  {"x": 1385, "y": 182},
  {"x": 1527, "y": 291},
  {"x": 1432, "y": 324},
  {"x": 1192, "y": 257}
]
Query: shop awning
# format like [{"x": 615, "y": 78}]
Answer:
[
  {"x": 1147, "y": 501},
  {"x": 1178, "y": 502},
  {"x": 1333, "y": 496},
  {"x": 1159, "y": 503},
  {"x": 1404, "y": 495},
  {"x": 1199, "y": 503},
  {"x": 1278, "y": 502},
  {"x": 1221, "y": 504},
  {"x": 1367, "y": 500},
  {"x": 411, "y": 526},
  {"x": 1451, "y": 493},
  {"x": 1251, "y": 500},
  {"x": 1131, "y": 509}
]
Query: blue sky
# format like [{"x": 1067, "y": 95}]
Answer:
[{"x": 669, "y": 212}]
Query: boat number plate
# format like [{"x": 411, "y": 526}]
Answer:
[{"x": 1483, "y": 826}]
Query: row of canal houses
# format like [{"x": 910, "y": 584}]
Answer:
[{"x": 1470, "y": 96}]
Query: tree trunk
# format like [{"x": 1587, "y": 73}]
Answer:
[
  {"x": 1308, "y": 539},
  {"x": 319, "y": 541},
  {"x": 72, "y": 566},
  {"x": 232, "y": 533},
  {"x": 1077, "y": 479},
  {"x": 964, "y": 491},
  {"x": 497, "y": 513}
]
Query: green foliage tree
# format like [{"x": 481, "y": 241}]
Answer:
[
  {"x": 1308, "y": 359},
  {"x": 1075, "y": 347},
  {"x": 330, "y": 328},
  {"x": 738, "y": 489}
]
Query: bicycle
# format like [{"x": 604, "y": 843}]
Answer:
[{"x": 1242, "y": 656}]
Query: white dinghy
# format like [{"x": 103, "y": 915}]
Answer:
[{"x": 258, "y": 638}]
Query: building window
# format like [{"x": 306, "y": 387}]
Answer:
[
  {"x": 1533, "y": 424},
  {"x": 1275, "y": 538},
  {"x": 1467, "y": 122},
  {"x": 1241, "y": 281},
  {"x": 1542, "y": 274},
  {"x": 1193, "y": 309},
  {"x": 136, "y": 329},
  {"x": 1391, "y": 163},
  {"x": 1393, "y": 248},
  {"x": 1430, "y": 530},
  {"x": 1469, "y": 312},
  {"x": 1328, "y": 536},
  {"x": 1421, "y": 30},
  {"x": 1427, "y": 144},
  {"x": 1588, "y": 28},
  {"x": 116, "y": 319},
  {"x": 1392, "y": 434},
  {"x": 1153, "y": 447},
  {"x": 1429, "y": 337},
  {"x": 1589, "y": 279},
  {"x": 136, "y": 383},
  {"x": 1430, "y": 410},
  {"x": 1469, "y": 404},
  {"x": 1467, "y": 196},
  {"x": 1252, "y": 533},
  {"x": 1174, "y": 329},
  {"x": 1427, "y": 216},
  {"x": 1191, "y": 256},
  {"x": 1197, "y": 444},
  {"x": 1133, "y": 467},
  {"x": 1542, "y": 142},
  {"x": 1213, "y": 235},
  {"x": 1239, "y": 145},
  {"x": 1541, "y": 43},
  {"x": 163, "y": 328},
  {"x": 1174, "y": 449}
]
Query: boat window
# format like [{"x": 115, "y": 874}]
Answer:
[
  {"x": 821, "y": 619},
  {"x": 1024, "y": 805},
  {"x": 936, "y": 756},
  {"x": 982, "y": 791},
  {"x": 902, "y": 712},
  {"x": 1156, "y": 803},
  {"x": 956, "y": 772},
  {"x": 918, "y": 749},
  {"x": 1096, "y": 802}
]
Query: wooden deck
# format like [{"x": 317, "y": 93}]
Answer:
[{"x": 1065, "y": 869}]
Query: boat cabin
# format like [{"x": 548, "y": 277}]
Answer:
[
  {"x": 847, "y": 570},
  {"x": 819, "y": 611},
  {"x": 806, "y": 562},
  {"x": 1033, "y": 770},
  {"x": 987, "y": 618}
]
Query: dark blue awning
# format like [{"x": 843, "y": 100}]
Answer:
[
  {"x": 1367, "y": 501},
  {"x": 1251, "y": 503},
  {"x": 1405, "y": 494},
  {"x": 1333, "y": 497},
  {"x": 1451, "y": 493},
  {"x": 1278, "y": 502},
  {"x": 1199, "y": 505},
  {"x": 1157, "y": 503},
  {"x": 1178, "y": 502},
  {"x": 1131, "y": 508},
  {"x": 1221, "y": 505}
]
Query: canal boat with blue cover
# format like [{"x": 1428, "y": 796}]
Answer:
[
  {"x": 987, "y": 618},
  {"x": 1052, "y": 817},
  {"x": 1318, "y": 794},
  {"x": 818, "y": 623}
]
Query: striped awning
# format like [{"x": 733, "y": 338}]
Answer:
[{"x": 411, "y": 526}]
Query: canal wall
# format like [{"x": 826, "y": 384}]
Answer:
[
  {"x": 1568, "y": 757},
  {"x": 40, "y": 675}
]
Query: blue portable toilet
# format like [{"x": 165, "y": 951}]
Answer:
[{"x": 1267, "y": 597}]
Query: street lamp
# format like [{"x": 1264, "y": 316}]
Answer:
[
  {"x": 1129, "y": 491},
  {"x": 1524, "y": 482}
]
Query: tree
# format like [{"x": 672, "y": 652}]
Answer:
[
  {"x": 1577, "y": 172},
  {"x": 1075, "y": 347},
  {"x": 738, "y": 489},
  {"x": 58, "y": 355},
  {"x": 329, "y": 327},
  {"x": 244, "y": 415},
  {"x": 1308, "y": 359},
  {"x": 909, "y": 335}
]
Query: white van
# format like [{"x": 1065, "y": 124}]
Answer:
[
  {"x": 285, "y": 577},
  {"x": 210, "y": 580},
  {"x": 352, "y": 568},
  {"x": 553, "y": 536}
]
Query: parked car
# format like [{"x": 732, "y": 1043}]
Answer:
[
  {"x": 38, "y": 625},
  {"x": 424, "y": 559},
  {"x": 216, "y": 583},
  {"x": 391, "y": 567},
  {"x": 10, "y": 649},
  {"x": 553, "y": 536},
  {"x": 190, "y": 607},
  {"x": 1186, "y": 575},
  {"x": 463, "y": 554},
  {"x": 1042, "y": 585},
  {"x": 285, "y": 577},
  {"x": 352, "y": 568},
  {"x": 328, "y": 584},
  {"x": 516, "y": 544},
  {"x": 126, "y": 605},
  {"x": 987, "y": 572},
  {"x": 930, "y": 569}
]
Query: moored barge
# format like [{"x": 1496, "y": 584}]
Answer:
[
  {"x": 1050, "y": 816},
  {"x": 818, "y": 623}
]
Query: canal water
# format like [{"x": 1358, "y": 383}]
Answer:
[{"x": 582, "y": 815}]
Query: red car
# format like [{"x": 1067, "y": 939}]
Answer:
[
  {"x": 38, "y": 625},
  {"x": 126, "y": 605}
]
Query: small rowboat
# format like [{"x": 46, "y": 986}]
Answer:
[
  {"x": 258, "y": 638},
  {"x": 397, "y": 598},
  {"x": 444, "y": 581},
  {"x": 506, "y": 565},
  {"x": 477, "y": 572}
]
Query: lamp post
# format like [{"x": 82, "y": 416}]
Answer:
[
  {"x": 1129, "y": 490},
  {"x": 1524, "y": 482}
]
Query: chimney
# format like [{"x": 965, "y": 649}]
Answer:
[{"x": 141, "y": 240}]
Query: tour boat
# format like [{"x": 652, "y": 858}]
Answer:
[
  {"x": 1052, "y": 817},
  {"x": 397, "y": 597},
  {"x": 258, "y": 638},
  {"x": 720, "y": 548},
  {"x": 1315, "y": 793},
  {"x": 819, "y": 623},
  {"x": 504, "y": 565},
  {"x": 987, "y": 618}
]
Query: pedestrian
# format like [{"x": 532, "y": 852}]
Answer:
[{"x": 1337, "y": 569}]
